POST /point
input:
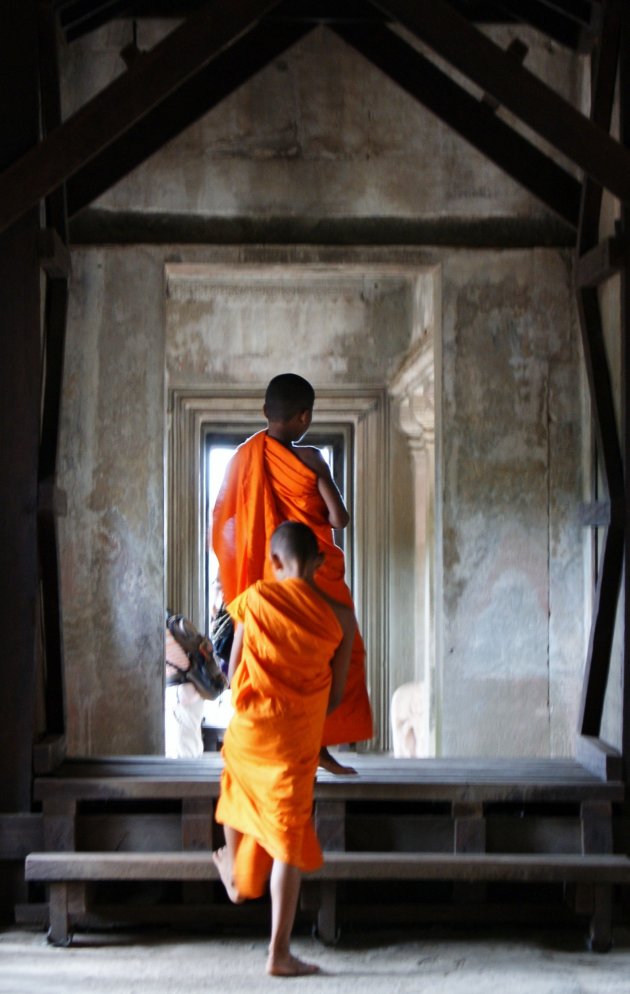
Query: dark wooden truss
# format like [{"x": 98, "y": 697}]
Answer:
[{"x": 217, "y": 47}]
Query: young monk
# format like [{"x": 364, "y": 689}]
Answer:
[
  {"x": 271, "y": 478},
  {"x": 288, "y": 667}
]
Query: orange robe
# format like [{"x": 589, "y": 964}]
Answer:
[
  {"x": 280, "y": 694},
  {"x": 266, "y": 484}
]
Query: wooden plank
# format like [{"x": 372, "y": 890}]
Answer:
[
  {"x": 20, "y": 376},
  {"x": 602, "y": 404},
  {"x": 330, "y": 822},
  {"x": 56, "y": 263},
  {"x": 452, "y": 37},
  {"x": 48, "y": 753},
  {"x": 597, "y": 834},
  {"x": 473, "y": 120},
  {"x": 55, "y": 333},
  {"x": 604, "y": 260},
  {"x": 601, "y": 634},
  {"x": 360, "y": 790},
  {"x": 599, "y": 757},
  {"x": 179, "y": 110},
  {"x": 600, "y": 926},
  {"x": 197, "y": 823},
  {"x": 470, "y": 828},
  {"x": 56, "y": 213},
  {"x": 59, "y": 818},
  {"x": 371, "y": 766},
  {"x": 54, "y": 254},
  {"x": 126, "y": 100},
  {"x": 50, "y": 867},
  {"x": 59, "y": 914}
]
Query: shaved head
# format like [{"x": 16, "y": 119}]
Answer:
[
  {"x": 287, "y": 395},
  {"x": 293, "y": 540}
]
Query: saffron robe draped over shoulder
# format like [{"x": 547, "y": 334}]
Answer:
[
  {"x": 280, "y": 694},
  {"x": 266, "y": 484}
]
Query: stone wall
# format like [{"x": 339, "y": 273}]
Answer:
[{"x": 513, "y": 566}]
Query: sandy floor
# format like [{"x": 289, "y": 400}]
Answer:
[{"x": 439, "y": 960}]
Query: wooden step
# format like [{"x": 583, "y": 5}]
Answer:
[
  {"x": 548, "y": 867},
  {"x": 67, "y": 874},
  {"x": 378, "y": 778}
]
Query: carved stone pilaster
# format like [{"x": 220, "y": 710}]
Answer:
[{"x": 412, "y": 389}]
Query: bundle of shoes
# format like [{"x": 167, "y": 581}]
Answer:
[{"x": 204, "y": 671}]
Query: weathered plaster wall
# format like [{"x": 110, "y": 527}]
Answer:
[
  {"x": 512, "y": 629},
  {"x": 112, "y": 540},
  {"x": 319, "y": 133},
  {"x": 237, "y": 328}
]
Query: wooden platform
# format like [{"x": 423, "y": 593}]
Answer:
[
  {"x": 379, "y": 777},
  {"x": 68, "y": 873},
  {"x": 506, "y": 810}
]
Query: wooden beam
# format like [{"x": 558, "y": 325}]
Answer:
[
  {"x": 597, "y": 265},
  {"x": 598, "y": 757},
  {"x": 116, "y": 109},
  {"x": 517, "y": 50},
  {"x": 56, "y": 262},
  {"x": 600, "y": 387},
  {"x": 83, "y": 16},
  {"x": 188, "y": 104},
  {"x": 555, "y": 24},
  {"x": 471, "y": 118},
  {"x": 624, "y": 321},
  {"x": 580, "y": 10},
  {"x": 602, "y": 633},
  {"x": 610, "y": 569},
  {"x": 602, "y": 402},
  {"x": 54, "y": 254},
  {"x": 472, "y": 53},
  {"x": 48, "y": 29},
  {"x": 20, "y": 376},
  {"x": 604, "y": 80}
]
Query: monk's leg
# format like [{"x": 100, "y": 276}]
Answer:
[
  {"x": 224, "y": 858},
  {"x": 285, "y": 890}
]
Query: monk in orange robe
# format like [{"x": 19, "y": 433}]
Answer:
[
  {"x": 288, "y": 667},
  {"x": 271, "y": 479}
]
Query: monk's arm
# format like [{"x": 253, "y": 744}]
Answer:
[
  {"x": 235, "y": 652},
  {"x": 338, "y": 516},
  {"x": 341, "y": 660}
]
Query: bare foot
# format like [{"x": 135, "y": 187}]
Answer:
[
  {"x": 221, "y": 859},
  {"x": 328, "y": 762},
  {"x": 289, "y": 966}
]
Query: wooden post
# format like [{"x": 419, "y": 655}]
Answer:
[
  {"x": 624, "y": 100},
  {"x": 59, "y": 816},
  {"x": 330, "y": 821},
  {"x": 469, "y": 835},
  {"x": 20, "y": 375}
]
